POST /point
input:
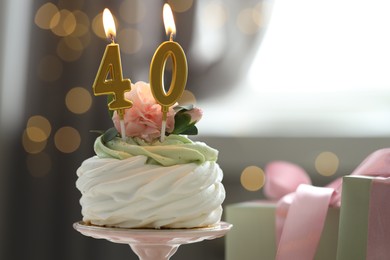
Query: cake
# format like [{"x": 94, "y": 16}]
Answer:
[{"x": 140, "y": 182}]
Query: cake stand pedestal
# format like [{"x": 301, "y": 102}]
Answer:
[{"x": 154, "y": 244}]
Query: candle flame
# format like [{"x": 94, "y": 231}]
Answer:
[
  {"x": 109, "y": 24},
  {"x": 169, "y": 22}
]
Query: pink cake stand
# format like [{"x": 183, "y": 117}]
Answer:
[{"x": 156, "y": 244}]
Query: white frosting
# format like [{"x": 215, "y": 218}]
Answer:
[{"x": 129, "y": 193}]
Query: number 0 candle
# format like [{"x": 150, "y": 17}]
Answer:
[
  {"x": 109, "y": 79},
  {"x": 179, "y": 70}
]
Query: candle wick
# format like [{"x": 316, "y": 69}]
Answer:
[
  {"x": 171, "y": 37},
  {"x": 112, "y": 38}
]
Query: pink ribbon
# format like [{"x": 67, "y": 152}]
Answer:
[{"x": 302, "y": 208}]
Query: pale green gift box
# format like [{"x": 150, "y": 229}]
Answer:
[
  {"x": 253, "y": 234},
  {"x": 354, "y": 218}
]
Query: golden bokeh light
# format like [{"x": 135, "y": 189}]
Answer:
[
  {"x": 82, "y": 24},
  {"x": 246, "y": 22},
  {"x": 66, "y": 24},
  {"x": 38, "y": 128},
  {"x": 257, "y": 17},
  {"x": 180, "y": 6},
  {"x": 130, "y": 40},
  {"x": 252, "y": 178},
  {"x": 97, "y": 26},
  {"x": 215, "y": 15},
  {"x": 39, "y": 165},
  {"x": 327, "y": 163},
  {"x": 67, "y": 139},
  {"x": 132, "y": 11},
  {"x": 259, "y": 13},
  {"x": 73, "y": 43},
  {"x": 45, "y": 14},
  {"x": 50, "y": 68},
  {"x": 187, "y": 98},
  {"x": 78, "y": 100},
  {"x": 36, "y": 134},
  {"x": 30, "y": 146},
  {"x": 69, "y": 49},
  {"x": 85, "y": 40}
]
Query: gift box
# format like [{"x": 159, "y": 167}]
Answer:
[
  {"x": 364, "y": 218},
  {"x": 253, "y": 235}
]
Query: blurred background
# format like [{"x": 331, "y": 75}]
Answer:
[{"x": 302, "y": 81}]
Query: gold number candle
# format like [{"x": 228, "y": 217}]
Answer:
[
  {"x": 179, "y": 71},
  {"x": 109, "y": 79}
]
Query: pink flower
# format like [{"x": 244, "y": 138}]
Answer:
[{"x": 144, "y": 118}]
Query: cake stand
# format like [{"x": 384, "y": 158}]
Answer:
[{"x": 154, "y": 244}]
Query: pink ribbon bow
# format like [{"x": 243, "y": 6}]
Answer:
[{"x": 302, "y": 208}]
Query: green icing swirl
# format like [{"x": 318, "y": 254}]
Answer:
[{"x": 176, "y": 149}]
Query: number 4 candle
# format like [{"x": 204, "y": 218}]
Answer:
[
  {"x": 109, "y": 79},
  {"x": 179, "y": 71}
]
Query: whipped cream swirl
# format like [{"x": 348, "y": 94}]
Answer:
[
  {"x": 137, "y": 192},
  {"x": 176, "y": 149}
]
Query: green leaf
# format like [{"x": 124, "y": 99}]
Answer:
[
  {"x": 181, "y": 123},
  {"x": 191, "y": 130},
  {"x": 110, "y": 134}
]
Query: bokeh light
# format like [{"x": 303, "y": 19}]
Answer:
[
  {"x": 78, "y": 100},
  {"x": 261, "y": 13},
  {"x": 38, "y": 128},
  {"x": 180, "y": 5},
  {"x": 38, "y": 165},
  {"x": 97, "y": 26},
  {"x": 36, "y": 134},
  {"x": 67, "y": 139},
  {"x": 73, "y": 43},
  {"x": 132, "y": 11},
  {"x": 327, "y": 163},
  {"x": 215, "y": 14},
  {"x": 30, "y": 146},
  {"x": 66, "y": 24},
  {"x": 252, "y": 178},
  {"x": 246, "y": 22},
  {"x": 130, "y": 40},
  {"x": 45, "y": 14},
  {"x": 50, "y": 68},
  {"x": 82, "y": 23},
  {"x": 69, "y": 49},
  {"x": 85, "y": 40}
]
